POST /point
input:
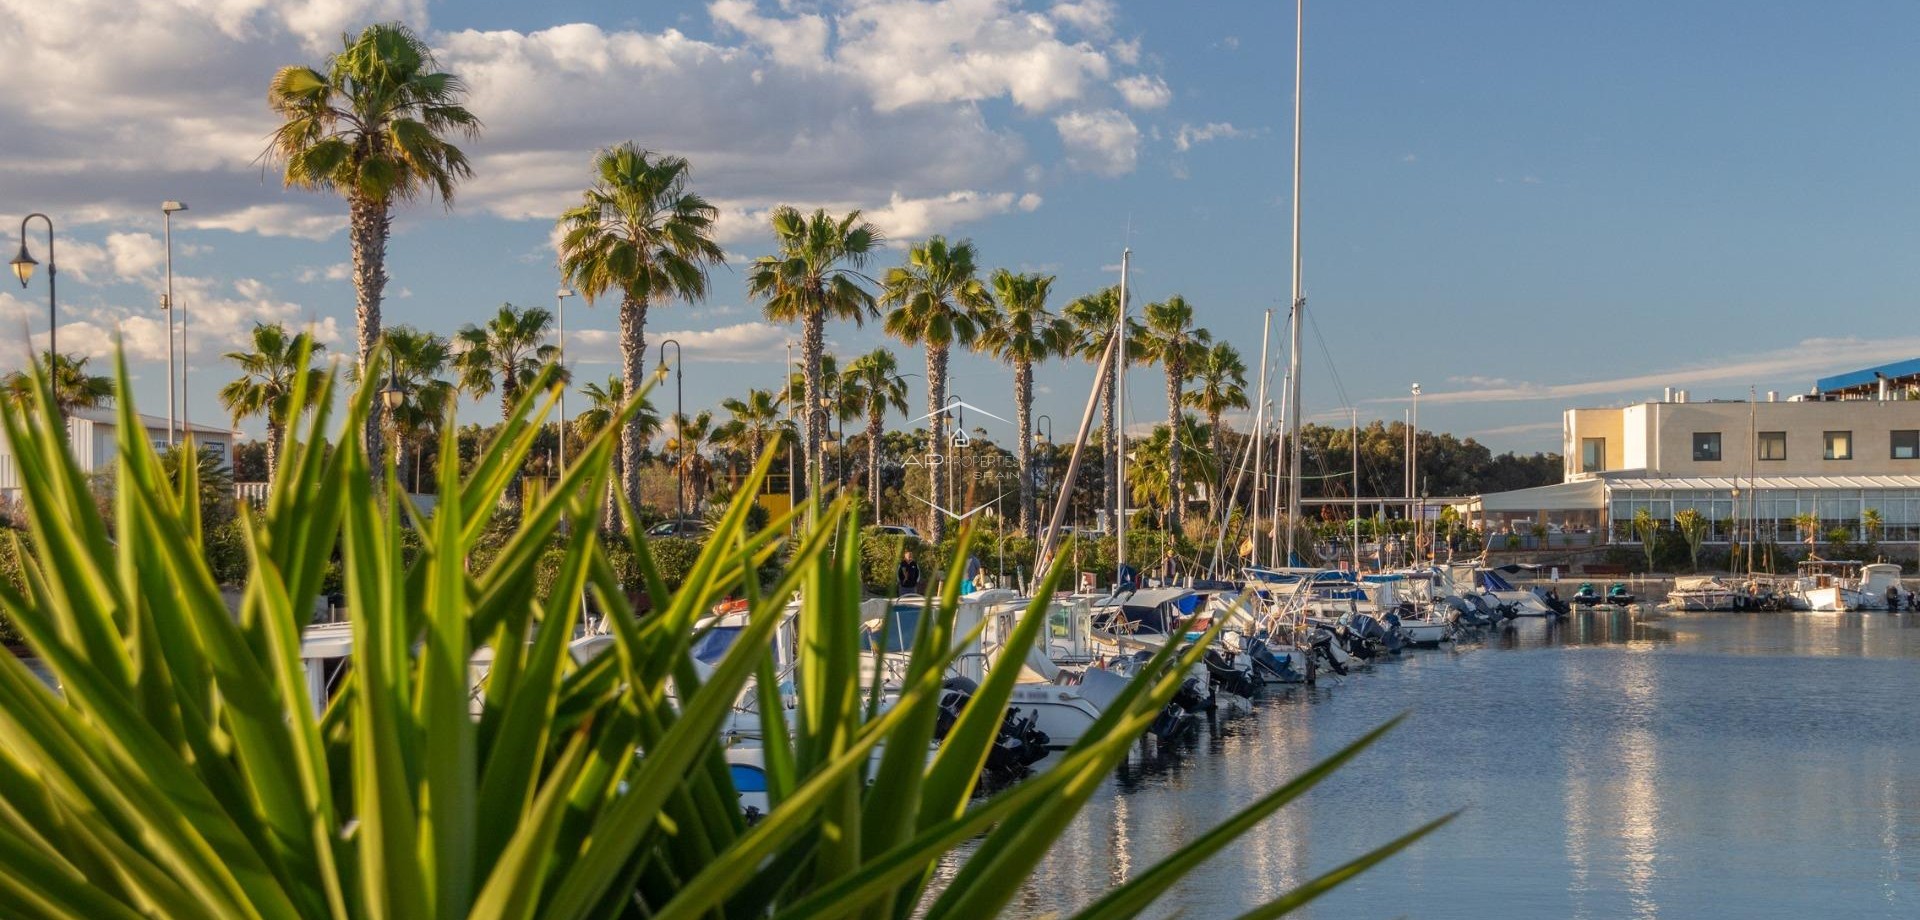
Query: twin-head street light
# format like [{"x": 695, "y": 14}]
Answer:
[{"x": 679, "y": 424}]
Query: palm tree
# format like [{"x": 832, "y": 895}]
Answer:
[
  {"x": 73, "y": 387},
  {"x": 834, "y": 399},
  {"x": 753, "y": 420},
  {"x": 604, "y": 403},
  {"x": 1220, "y": 383},
  {"x": 1169, "y": 338},
  {"x": 813, "y": 278},
  {"x": 1093, "y": 318},
  {"x": 374, "y": 128},
  {"x": 639, "y": 232},
  {"x": 938, "y": 300},
  {"x": 419, "y": 358},
  {"x": 689, "y": 436},
  {"x": 268, "y": 376},
  {"x": 509, "y": 350},
  {"x": 873, "y": 385},
  {"x": 1021, "y": 331}
]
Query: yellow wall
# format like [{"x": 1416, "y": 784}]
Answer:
[
  {"x": 1580, "y": 424},
  {"x": 1666, "y": 430}
]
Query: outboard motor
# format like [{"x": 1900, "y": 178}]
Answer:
[
  {"x": 1321, "y": 646},
  {"x": 1228, "y": 679},
  {"x": 1395, "y": 637},
  {"x": 1020, "y": 742},
  {"x": 1266, "y": 662}
]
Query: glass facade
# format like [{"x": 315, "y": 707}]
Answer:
[{"x": 1774, "y": 510}]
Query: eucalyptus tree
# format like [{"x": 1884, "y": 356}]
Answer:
[
  {"x": 1169, "y": 338},
  {"x": 938, "y": 300},
  {"x": 873, "y": 385},
  {"x": 814, "y": 277},
  {"x": 1023, "y": 333},
  {"x": 271, "y": 374},
  {"x": 507, "y": 354},
  {"x": 1220, "y": 384},
  {"x": 641, "y": 234},
  {"x": 751, "y": 422},
  {"x": 375, "y": 126},
  {"x": 73, "y": 387}
]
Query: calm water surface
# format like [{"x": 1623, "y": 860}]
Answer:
[{"x": 1692, "y": 765}]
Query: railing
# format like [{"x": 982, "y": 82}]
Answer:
[{"x": 253, "y": 493}]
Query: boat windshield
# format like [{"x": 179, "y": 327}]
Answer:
[
  {"x": 713, "y": 646},
  {"x": 900, "y": 625}
]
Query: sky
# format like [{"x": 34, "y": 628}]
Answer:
[{"x": 1521, "y": 205}]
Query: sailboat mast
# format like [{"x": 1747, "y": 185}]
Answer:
[
  {"x": 1280, "y": 432},
  {"x": 1299, "y": 301},
  {"x": 1355, "y": 485},
  {"x": 1259, "y": 432},
  {"x": 1120, "y": 421}
]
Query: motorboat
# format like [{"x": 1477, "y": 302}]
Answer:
[
  {"x": 1830, "y": 586},
  {"x": 1705, "y": 593}
]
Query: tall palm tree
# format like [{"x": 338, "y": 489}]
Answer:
[
  {"x": 268, "y": 376},
  {"x": 684, "y": 444},
  {"x": 753, "y": 419},
  {"x": 832, "y": 395},
  {"x": 604, "y": 403},
  {"x": 508, "y": 354},
  {"x": 938, "y": 300},
  {"x": 640, "y": 233},
  {"x": 1170, "y": 339},
  {"x": 1220, "y": 383},
  {"x": 1093, "y": 318},
  {"x": 373, "y": 127},
  {"x": 1023, "y": 332},
  {"x": 813, "y": 278},
  {"x": 73, "y": 387},
  {"x": 419, "y": 358},
  {"x": 873, "y": 385}
]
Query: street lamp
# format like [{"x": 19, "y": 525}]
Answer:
[
  {"x": 560, "y": 312},
  {"x": 23, "y": 269},
  {"x": 679, "y": 421},
  {"x": 1413, "y": 474},
  {"x": 1048, "y": 439},
  {"x": 167, "y": 209}
]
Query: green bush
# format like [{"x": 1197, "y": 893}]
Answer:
[{"x": 675, "y": 556}]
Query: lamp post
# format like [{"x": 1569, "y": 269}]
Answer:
[
  {"x": 1048, "y": 438},
  {"x": 23, "y": 269},
  {"x": 1413, "y": 475},
  {"x": 166, "y": 306},
  {"x": 959, "y": 427},
  {"x": 679, "y": 423},
  {"x": 391, "y": 396},
  {"x": 560, "y": 313}
]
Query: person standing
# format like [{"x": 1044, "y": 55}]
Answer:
[
  {"x": 908, "y": 577},
  {"x": 970, "y": 574}
]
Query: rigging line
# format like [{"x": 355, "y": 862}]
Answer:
[{"x": 1338, "y": 386}]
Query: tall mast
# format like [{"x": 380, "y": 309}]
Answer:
[
  {"x": 1355, "y": 485},
  {"x": 1279, "y": 463},
  {"x": 1259, "y": 432},
  {"x": 1120, "y": 421},
  {"x": 1299, "y": 301}
]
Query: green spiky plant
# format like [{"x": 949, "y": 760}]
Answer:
[{"x": 180, "y": 770}]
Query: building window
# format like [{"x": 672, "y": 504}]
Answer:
[
  {"x": 1772, "y": 445},
  {"x": 1839, "y": 445},
  {"x": 1593, "y": 455},
  {"x": 1706, "y": 446},
  {"x": 1906, "y": 445}
]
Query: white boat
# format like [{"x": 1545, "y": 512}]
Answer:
[
  {"x": 1831, "y": 586},
  {"x": 1704, "y": 593}
]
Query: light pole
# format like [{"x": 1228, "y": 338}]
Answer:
[
  {"x": 560, "y": 314},
  {"x": 679, "y": 425},
  {"x": 391, "y": 396},
  {"x": 166, "y": 306},
  {"x": 960, "y": 427},
  {"x": 1413, "y": 474},
  {"x": 23, "y": 269},
  {"x": 1048, "y": 438}
]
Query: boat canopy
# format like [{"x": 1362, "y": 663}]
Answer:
[{"x": 1579, "y": 495}]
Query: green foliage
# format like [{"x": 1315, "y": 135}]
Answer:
[
  {"x": 183, "y": 771},
  {"x": 1693, "y": 528}
]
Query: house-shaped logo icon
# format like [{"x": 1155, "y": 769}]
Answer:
[{"x": 957, "y": 439}]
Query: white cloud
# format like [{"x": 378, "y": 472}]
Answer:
[
  {"x": 218, "y": 318},
  {"x": 904, "y": 219},
  {"x": 752, "y": 342},
  {"x": 910, "y": 52},
  {"x": 1029, "y": 202},
  {"x": 800, "y": 41},
  {"x": 1144, "y": 91},
  {"x": 1812, "y": 357},
  {"x": 1104, "y": 141},
  {"x": 1189, "y": 135},
  {"x": 298, "y": 221},
  {"x": 1094, "y": 17},
  {"x": 338, "y": 271}
]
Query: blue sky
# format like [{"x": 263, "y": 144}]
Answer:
[{"x": 1522, "y": 205}]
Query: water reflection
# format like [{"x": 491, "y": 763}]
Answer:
[{"x": 1615, "y": 765}]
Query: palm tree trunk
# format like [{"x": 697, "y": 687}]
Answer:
[
  {"x": 1219, "y": 467},
  {"x": 813, "y": 342},
  {"x": 936, "y": 432},
  {"x": 1023, "y": 409},
  {"x": 510, "y": 499},
  {"x": 874, "y": 421},
  {"x": 1109, "y": 455},
  {"x": 276, "y": 433},
  {"x": 368, "y": 224},
  {"x": 633, "y": 370},
  {"x": 1174, "y": 373}
]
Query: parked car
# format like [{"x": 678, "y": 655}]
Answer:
[
  {"x": 688, "y": 528},
  {"x": 899, "y": 530}
]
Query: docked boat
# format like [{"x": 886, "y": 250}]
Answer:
[
  {"x": 1833, "y": 585},
  {"x": 1705, "y": 593}
]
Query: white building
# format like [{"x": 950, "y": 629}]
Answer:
[
  {"x": 94, "y": 435},
  {"x": 1749, "y": 467}
]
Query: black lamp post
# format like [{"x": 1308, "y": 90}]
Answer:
[
  {"x": 679, "y": 421},
  {"x": 1048, "y": 438},
  {"x": 23, "y": 269}
]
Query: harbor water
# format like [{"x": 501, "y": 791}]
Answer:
[{"x": 1616, "y": 765}]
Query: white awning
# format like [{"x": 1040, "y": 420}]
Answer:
[
  {"x": 1727, "y": 483},
  {"x": 1580, "y": 495}
]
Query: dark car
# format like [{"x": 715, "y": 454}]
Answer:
[{"x": 685, "y": 527}]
